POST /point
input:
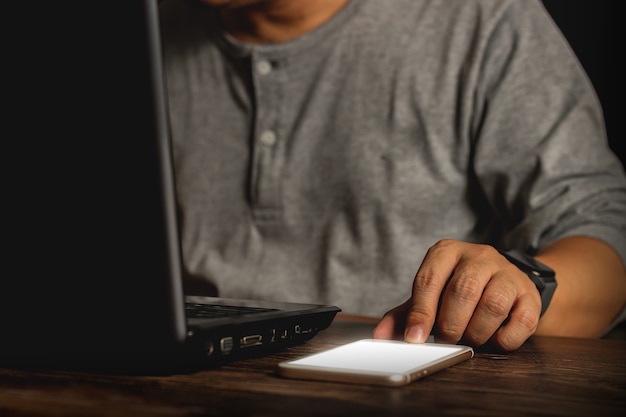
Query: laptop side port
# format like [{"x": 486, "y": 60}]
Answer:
[
  {"x": 298, "y": 329},
  {"x": 251, "y": 340},
  {"x": 226, "y": 345}
]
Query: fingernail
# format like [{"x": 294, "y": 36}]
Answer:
[{"x": 414, "y": 334}]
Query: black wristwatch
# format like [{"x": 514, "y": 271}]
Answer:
[{"x": 542, "y": 275}]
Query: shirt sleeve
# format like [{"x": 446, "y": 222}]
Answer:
[{"x": 541, "y": 152}]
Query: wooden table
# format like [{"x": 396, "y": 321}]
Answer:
[{"x": 548, "y": 376}]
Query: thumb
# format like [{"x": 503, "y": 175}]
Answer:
[{"x": 393, "y": 323}]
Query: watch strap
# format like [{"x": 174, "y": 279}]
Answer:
[{"x": 540, "y": 274}]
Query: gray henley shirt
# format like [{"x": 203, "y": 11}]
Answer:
[{"x": 322, "y": 169}]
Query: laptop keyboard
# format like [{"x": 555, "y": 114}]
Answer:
[{"x": 203, "y": 311}]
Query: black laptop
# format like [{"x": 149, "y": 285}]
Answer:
[{"x": 92, "y": 266}]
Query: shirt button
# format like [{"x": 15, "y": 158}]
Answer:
[
  {"x": 268, "y": 138},
  {"x": 263, "y": 67}
]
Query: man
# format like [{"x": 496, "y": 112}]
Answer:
[{"x": 325, "y": 150}]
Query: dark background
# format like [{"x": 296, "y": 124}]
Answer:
[{"x": 595, "y": 30}]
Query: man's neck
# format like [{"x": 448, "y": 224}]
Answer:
[{"x": 276, "y": 21}]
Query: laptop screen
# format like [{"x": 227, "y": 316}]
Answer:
[{"x": 90, "y": 186}]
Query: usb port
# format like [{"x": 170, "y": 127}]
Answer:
[{"x": 252, "y": 340}]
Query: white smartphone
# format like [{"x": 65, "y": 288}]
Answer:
[{"x": 376, "y": 362}]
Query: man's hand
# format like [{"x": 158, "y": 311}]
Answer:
[{"x": 466, "y": 293}]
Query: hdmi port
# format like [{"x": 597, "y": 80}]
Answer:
[{"x": 252, "y": 340}]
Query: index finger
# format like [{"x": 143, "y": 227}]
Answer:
[{"x": 428, "y": 285}]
